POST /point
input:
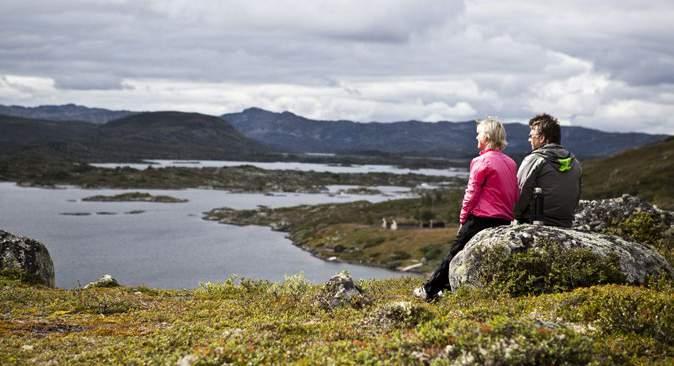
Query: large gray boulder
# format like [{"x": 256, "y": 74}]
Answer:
[
  {"x": 636, "y": 261},
  {"x": 27, "y": 258}
]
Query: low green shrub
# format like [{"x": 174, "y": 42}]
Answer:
[
  {"x": 641, "y": 227},
  {"x": 105, "y": 303},
  {"x": 545, "y": 269},
  {"x": 646, "y": 228},
  {"x": 294, "y": 287},
  {"x": 507, "y": 341},
  {"x": 231, "y": 288},
  {"x": 22, "y": 276},
  {"x": 624, "y": 310},
  {"x": 401, "y": 314}
]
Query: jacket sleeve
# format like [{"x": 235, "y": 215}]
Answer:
[
  {"x": 478, "y": 175},
  {"x": 526, "y": 179}
]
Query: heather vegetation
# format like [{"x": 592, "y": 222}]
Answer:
[{"x": 241, "y": 321}]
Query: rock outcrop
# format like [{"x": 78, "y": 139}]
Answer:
[
  {"x": 340, "y": 290},
  {"x": 636, "y": 261},
  {"x": 598, "y": 215},
  {"x": 26, "y": 258}
]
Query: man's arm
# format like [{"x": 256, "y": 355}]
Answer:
[{"x": 526, "y": 180}]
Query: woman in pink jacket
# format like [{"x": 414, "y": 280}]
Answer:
[{"x": 489, "y": 200}]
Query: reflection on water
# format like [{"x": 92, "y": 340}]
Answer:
[{"x": 162, "y": 244}]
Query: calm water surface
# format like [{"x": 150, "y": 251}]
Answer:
[{"x": 167, "y": 245}]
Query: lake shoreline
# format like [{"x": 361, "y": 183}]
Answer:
[{"x": 168, "y": 246}]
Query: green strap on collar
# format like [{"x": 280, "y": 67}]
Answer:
[{"x": 565, "y": 164}]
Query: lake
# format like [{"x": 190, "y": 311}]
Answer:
[
  {"x": 450, "y": 172},
  {"x": 167, "y": 245}
]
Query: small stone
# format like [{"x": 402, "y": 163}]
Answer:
[
  {"x": 105, "y": 281},
  {"x": 27, "y": 347},
  {"x": 421, "y": 356},
  {"x": 188, "y": 360}
]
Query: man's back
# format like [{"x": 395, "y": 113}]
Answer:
[{"x": 558, "y": 173}]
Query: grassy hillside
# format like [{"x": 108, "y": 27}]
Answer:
[
  {"x": 352, "y": 232},
  {"x": 17, "y": 134},
  {"x": 151, "y": 135},
  {"x": 647, "y": 172},
  {"x": 255, "y": 322},
  {"x": 173, "y": 135}
]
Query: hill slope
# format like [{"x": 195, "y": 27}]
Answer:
[
  {"x": 66, "y": 112},
  {"x": 289, "y": 132},
  {"x": 168, "y": 135},
  {"x": 174, "y": 135},
  {"x": 647, "y": 172},
  {"x": 20, "y": 134}
]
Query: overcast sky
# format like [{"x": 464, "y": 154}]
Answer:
[{"x": 601, "y": 64}]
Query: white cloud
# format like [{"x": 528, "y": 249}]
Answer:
[{"x": 588, "y": 63}]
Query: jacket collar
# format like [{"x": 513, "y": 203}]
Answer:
[{"x": 488, "y": 150}]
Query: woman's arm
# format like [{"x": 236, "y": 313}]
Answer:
[{"x": 476, "y": 180}]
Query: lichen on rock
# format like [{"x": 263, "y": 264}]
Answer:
[{"x": 553, "y": 254}]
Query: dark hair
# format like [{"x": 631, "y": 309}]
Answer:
[{"x": 548, "y": 126}]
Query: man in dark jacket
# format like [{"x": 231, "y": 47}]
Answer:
[{"x": 554, "y": 169}]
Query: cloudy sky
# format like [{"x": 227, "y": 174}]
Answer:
[{"x": 599, "y": 64}]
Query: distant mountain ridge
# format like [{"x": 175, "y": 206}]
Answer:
[
  {"x": 158, "y": 135},
  {"x": 66, "y": 112},
  {"x": 289, "y": 132}
]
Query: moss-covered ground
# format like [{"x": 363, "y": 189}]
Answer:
[{"x": 252, "y": 322}]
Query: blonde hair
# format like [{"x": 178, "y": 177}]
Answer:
[{"x": 494, "y": 131}]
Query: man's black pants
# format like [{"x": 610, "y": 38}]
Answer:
[{"x": 440, "y": 278}]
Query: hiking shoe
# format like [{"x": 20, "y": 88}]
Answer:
[{"x": 420, "y": 292}]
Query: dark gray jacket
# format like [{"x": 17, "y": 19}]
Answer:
[{"x": 558, "y": 173}]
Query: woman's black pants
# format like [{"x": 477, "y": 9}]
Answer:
[{"x": 440, "y": 278}]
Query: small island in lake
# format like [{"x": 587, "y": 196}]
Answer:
[{"x": 134, "y": 197}]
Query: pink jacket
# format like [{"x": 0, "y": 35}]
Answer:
[{"x": 492, "y": 187}]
